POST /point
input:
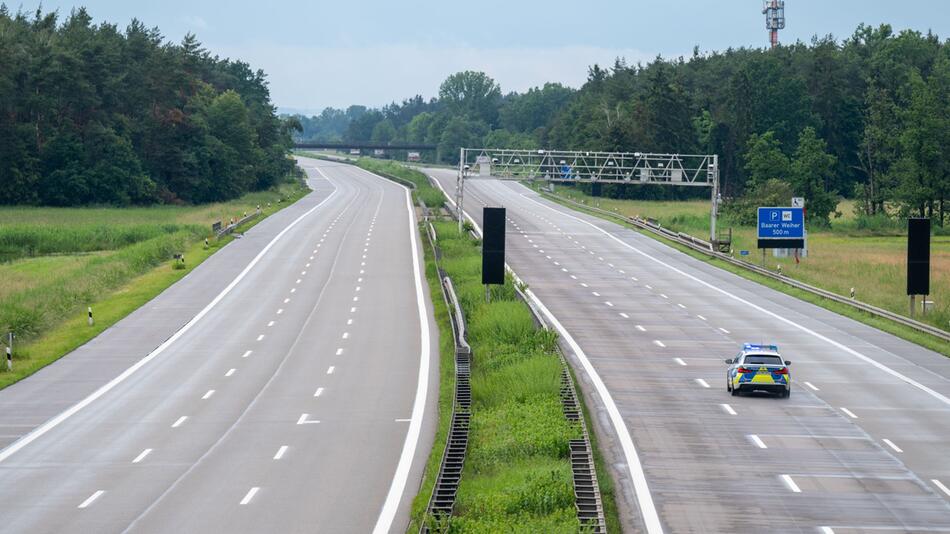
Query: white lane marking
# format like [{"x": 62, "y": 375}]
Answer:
[
  {"x": 339, "y": 351},
  {"x": 680, "y": 361},
  {"x": 318, "y": 392},
  {"x": 728, "y": 409},
  {"x": 596, "y": 294},
  {"x": 280, "y": 311},
  {"x": 303, "y": 273},
  {"x": 286, "y": 301},
  {"x": 621, "y": 271},
  {"x": 648, "y": 286},
  {"x": 702, "y": 382},
  {"x": 658, "y": 343},
  {"x": 791, "y": 484},
  {"x": 680, "y": 305},
  {"x": 758, "y": 441},
  {"x": 849, "y": 413},
  {"x": 349, "y": 322},
  {"x": 331, "y": 369},
  {"x": 304, "y": 420},
  {"x": 600, "y": 258},
  {"x": 105, "y": 388},
  {"x": 573, "y": 277},
  {"x": 353, "y": 309},
  {"x": 701, "y": 317},
  {"x": 250, "y": 495},
  {"x": 610, "y": 265},
  {"x": 609, "y": 303},
  {"x": 362, "y": 271},
  {"x": 563, "y": 269},
  {"x": 624, "y": 315},
  {"x": 403, "y": 420},
  {"x": 641, "y": 488},
  {"x": 270, "y": 324},
  {"x": 280, "y": 452},
  {"x": 298, "y": 281},
  {"x": 207, "y": 395},
  {"x": 634, "y": 278},
  {"x": 91, "y": 499},
  {"x": 941, "y": 486},
  {"x": 230, "y": 372},
  {"x": 260, "y": 337},
  {"x": 179, "y": 422},
  {"x": 346, "y": 335},
  {"x": 141, "y": 456},
  {"x": 293, "y": 290},
  {"x": 311, "y": 257},
  {"x": 640, "y": 328},
  {"x": 812, "y": 386},
  {"x": 584, "y": 285},
  {"x": 247, "y": 353},
  {"x": 356, "y": 299},
  {"x": 827, "y": 530},
  {"x": 724, "y": 331},
  {"x": 892, "y": 445},
  {"x": 935, "y": 394},
  {"x": 664, "y": 296},
  {"x": 360, "y": 279},
  {"x": 398, "y": 486}
]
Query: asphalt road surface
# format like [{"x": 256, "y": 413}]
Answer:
[
  {"x": 862, "y": 445},
  {"x": 285, "y": 385}
]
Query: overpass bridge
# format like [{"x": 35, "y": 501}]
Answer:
[{"x": 365, "y": 145}]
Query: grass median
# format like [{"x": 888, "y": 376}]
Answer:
[
  {"x": 58, "y": 261},
  {"x": 517, "y": 474}
]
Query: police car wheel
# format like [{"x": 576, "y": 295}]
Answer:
[
  {"x": 735, "y": 392},
  {"x": 787, "y": 393}
]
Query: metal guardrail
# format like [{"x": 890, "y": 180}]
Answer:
[
  {"x": 705, "y": 248},
  {"x": 233, "y": 226}
]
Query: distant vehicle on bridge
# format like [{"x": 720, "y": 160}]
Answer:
[
  {"x": 354, "y": 152},
  {"x": 413, "y": 156}
]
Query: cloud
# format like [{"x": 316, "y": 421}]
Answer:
[
  {"x": 195, "y": 22},
  {"x": 316, "y": 77}
]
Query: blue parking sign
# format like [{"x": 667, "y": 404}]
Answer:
[{"x": 781, "y": 223}]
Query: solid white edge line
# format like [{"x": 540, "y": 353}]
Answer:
[
  {"x": 758, "y": 441},
  {"x": 791, "y": 484},
  {"x": 935, "y": 394},
  {"x": 250, "y": 495},
  {"x": 91, "y": 499},
  {"x": 941, "y": 486},
  {"x": 105, "y": 388},
  {"x": 849, "y": 413},
  {"x": 812, "y": 386},
  {"x": 642, "y": 490},
  {"x": 401, "y": 477}
]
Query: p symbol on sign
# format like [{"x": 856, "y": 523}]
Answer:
[{"x": 773, "y": 215}]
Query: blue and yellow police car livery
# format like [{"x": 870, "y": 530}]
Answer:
[{"x": 758, "y": 368}]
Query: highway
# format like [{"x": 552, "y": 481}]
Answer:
[
  {"x": 862, "y": 445},
  {"x": 287, "y": 384}
]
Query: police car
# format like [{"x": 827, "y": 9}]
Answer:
[{"x": 758, "y": 368}]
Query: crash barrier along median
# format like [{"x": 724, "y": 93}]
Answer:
[{"x": 704, "y": 247}]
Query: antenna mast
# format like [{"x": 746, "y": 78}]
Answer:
[{"x": 774, "y": 11}]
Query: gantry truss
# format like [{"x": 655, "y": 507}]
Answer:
[{"x": 592, "y": 167}]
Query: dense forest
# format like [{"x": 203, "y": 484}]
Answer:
[
  {"x": 90, "y": 114},
  {"x": 866, "y": 118}
]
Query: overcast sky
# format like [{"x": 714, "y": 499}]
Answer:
[{"x": 320, "y": 53}]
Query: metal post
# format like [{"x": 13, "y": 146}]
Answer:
[
  {"x": 913, "y": 304},
  {"x": 460, "y": 187},
  {"x": 714, "y": 171}
]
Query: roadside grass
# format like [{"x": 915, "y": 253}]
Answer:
[
  {"x": 870, "y": 257},
  {"x": 899, "y": 330},
  {"x": 517, "y": 475},
  {"x": 113, "y": 259}
]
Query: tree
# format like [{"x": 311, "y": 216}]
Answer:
[
  {"x": 472, "y": 94},
  {"x": 811, "y": 171},
  {"x": 764, "y": 159}
]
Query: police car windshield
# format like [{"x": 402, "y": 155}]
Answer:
[{"x": 762, "y": 359}]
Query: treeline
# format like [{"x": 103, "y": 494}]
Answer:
[
  {"x": 866, "y": 118},
  {"x": 90, "y": 114}
]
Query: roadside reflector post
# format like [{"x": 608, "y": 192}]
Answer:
[
  {"x": 852, "y": 292},
  {"x": 90, "y": 316},
  {"x": 10, "y": 352}
]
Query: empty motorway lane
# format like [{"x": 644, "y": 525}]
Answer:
[
  {"x": 863, "y": 444},
  {"x": 286, "y": 385}
]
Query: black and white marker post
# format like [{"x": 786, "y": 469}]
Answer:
[
  {"x": 90, "y": 316},
  {"x": 10, "y": 352}
]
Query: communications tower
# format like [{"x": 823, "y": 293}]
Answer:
[{"x": 774, "y": 11}]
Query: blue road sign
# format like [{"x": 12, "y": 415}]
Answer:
[
  {"x": 743, "y": 252},
  {"x": 781, "y": 223}
]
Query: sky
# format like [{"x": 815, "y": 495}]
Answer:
[{"x": 318, "y": 53}]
